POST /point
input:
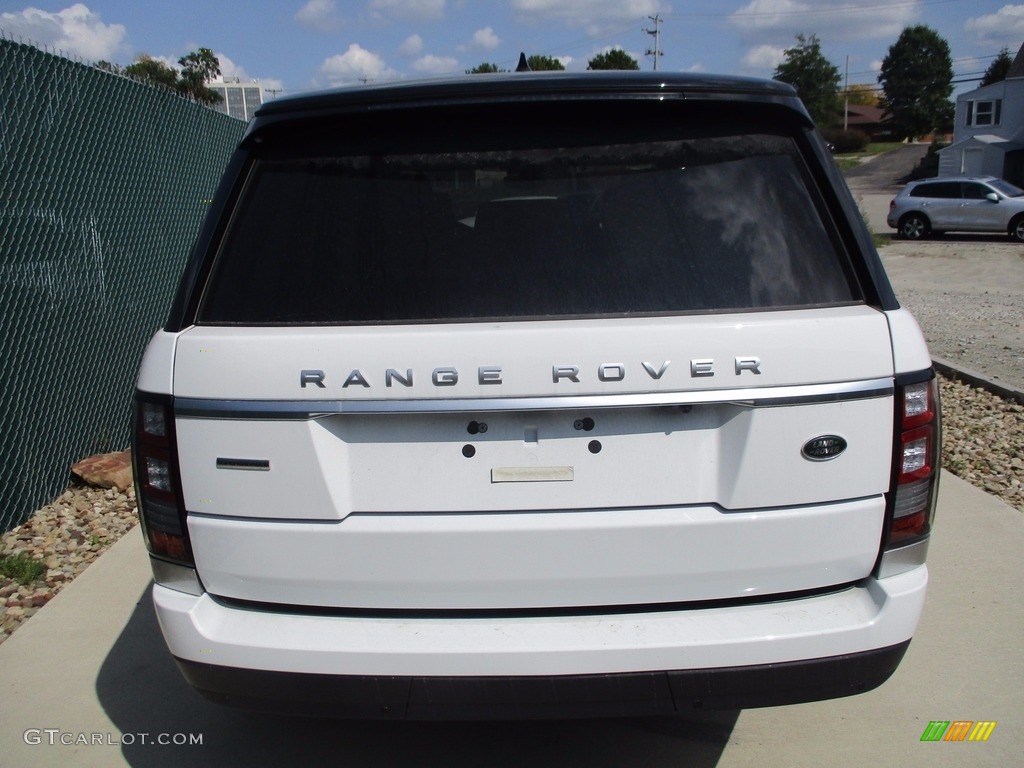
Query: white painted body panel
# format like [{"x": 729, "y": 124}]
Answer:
[
  {"x": 876, "y": 614},
  {"x": 909, "y": 351},
  {"x": 734, "y": 456},
  {"x": 538, "y": 560},
  {"x": 794, "y": 347},
  {"x": 401, "y": 510}
]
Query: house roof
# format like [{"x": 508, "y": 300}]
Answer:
[
  {"x": 1017, "y": 67},
  {"x": 864, "y": 113},
  {"x": 999, "y": 143}
]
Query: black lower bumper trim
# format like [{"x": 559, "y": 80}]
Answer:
[{"x": 502, "y": 698}]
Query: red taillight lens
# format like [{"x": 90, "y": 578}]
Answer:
[
  {"x": 917, "y": 463},
  {"x": 158, "y": 486}
]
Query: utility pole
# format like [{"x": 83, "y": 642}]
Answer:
[
  {"x": 846, "y": 103},
  {"x": 656, "y": 33}
]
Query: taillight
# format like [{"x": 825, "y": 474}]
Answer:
[
  {"x": 916, "y": 469},
  {"x": 157, "y": 481}
]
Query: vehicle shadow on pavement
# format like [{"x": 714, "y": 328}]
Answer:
[{"x": 144, "y": 695}]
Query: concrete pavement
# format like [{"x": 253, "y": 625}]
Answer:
[
  {"x": 91, "y": 669},
  {"x": 875, "y": 207}
]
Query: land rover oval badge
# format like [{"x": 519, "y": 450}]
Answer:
[{"x": 823, "y": 447}]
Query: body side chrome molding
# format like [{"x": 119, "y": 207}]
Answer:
[{"x": 291, "y": 410}]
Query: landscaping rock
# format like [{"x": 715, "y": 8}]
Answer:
[{"x": 106, "y": 470}]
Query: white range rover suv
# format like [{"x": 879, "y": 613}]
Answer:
[{"x": 536, "y": 395}]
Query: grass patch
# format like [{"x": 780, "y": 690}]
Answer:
[
  {"x": 22, "y": 568},
  {"x": 882, "y": 147},
  {"x": 851, "y": 160},
  {"x": 847, "y": 162}
]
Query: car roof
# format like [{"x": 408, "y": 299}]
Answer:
[
  {"x": 522, "y": 86},
  {"x": 952, "y": 178}
]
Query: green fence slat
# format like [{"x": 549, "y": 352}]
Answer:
[{"x": 99, "y": 182}]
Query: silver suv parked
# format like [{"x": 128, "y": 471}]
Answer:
[
  {"x": 536, "y": 395},
  {"x": 958, "y": 204}
]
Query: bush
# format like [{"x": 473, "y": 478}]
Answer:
[
  {"x": 928, "y": 166},
  {"x": 847, "y": 141}
]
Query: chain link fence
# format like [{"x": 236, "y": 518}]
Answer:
[{"x": 104, "y": 182}]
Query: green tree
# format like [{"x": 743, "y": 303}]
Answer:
[
  {"x": 916, "y": 77},
  {"x": 197, "y": 69},
  {"x": 998, "y": 69},
  {"x": 616, "y": 58},
  {"x": 539, "y": 63},
  {"x": 149, "y": 70},
  {"x": 866, "y": 95},
  {"x": 486, "y": 68},
  {"x": 815, "y": 78}
]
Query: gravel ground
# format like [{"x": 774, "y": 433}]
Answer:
[
  {"x": 66, "y": 535},
  {"x": 968, "y": 296}
]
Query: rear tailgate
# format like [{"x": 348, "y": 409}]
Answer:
[{"x": 535, "y": 464}]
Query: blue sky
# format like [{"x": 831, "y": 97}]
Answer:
[{"x": 299, "y": 45}]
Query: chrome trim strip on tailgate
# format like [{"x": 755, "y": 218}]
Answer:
[{"x": 193, "y": 407}]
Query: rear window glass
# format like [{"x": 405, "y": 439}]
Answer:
[{"x": 709, "y": 223}]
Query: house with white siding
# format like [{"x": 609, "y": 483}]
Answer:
[{"x": 988, "y": 130}]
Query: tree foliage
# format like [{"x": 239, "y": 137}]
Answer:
[
  {"x": 197, "y": 69},
  {"x": 150, "y": 70},
  {"x": 916, "y": 76},
  {"x": 616, "y": 58},
  {"x": 864, "y": 95},
  {"x": 486, "y": 68},
  {"x": 998, "y": 69},
  {"x": 815, "y": 78},
  {"x": 539, "y": 63}
]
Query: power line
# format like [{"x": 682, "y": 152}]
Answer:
[{"x": 818, "y": 12}]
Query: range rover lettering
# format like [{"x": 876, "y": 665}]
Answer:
[{"x": 536, "y": 395}]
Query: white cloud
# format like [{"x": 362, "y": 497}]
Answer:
[
  {"x": 320, "y": 15},
  {"x": 768, "y": 14},
  {"x": 765, "y": 21},
  {"x": 595, "y": 16},
  {"x": 1003, "y": 26},
  {"x": 229, "y": 71},
  {"x": 435, "y": 65},
  {"x": 232, "y": 73},
  {"x": 354, "y": 65},
  {"x": 483, "y": 40},
  {"x": 272, "y": 87},
  {"x": 764, "y": 57},
  {"x": 411, "y": 46},
  {"x": 75, "y": 30},
  {"x": 408, "y": 9}
]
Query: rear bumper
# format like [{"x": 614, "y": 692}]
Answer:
[
  {"x": 563, "y": 696},
  {"x": 757, "y": 654}
]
